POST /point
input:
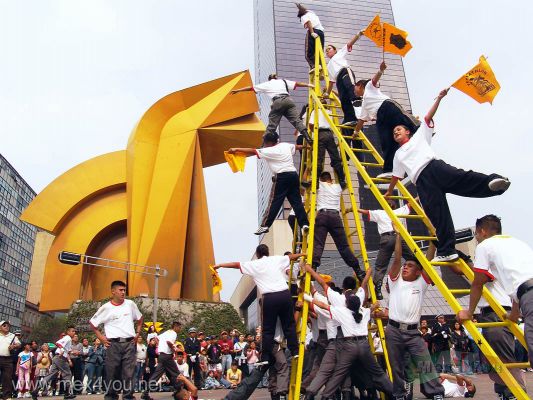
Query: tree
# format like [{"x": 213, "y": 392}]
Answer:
[{"x": 48, "y": 329}]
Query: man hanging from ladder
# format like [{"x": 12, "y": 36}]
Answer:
[
  {"x": 434, "y": 178},
  {"x": 408, "y": 286},
  {"x": 387, "y": 113},
  {"x": 506, "y": 262},
  {"x": 328, "y": 220},
  {"x": 278, "y": 157},
  {"x": 387, "y": 241},
  {"x": 282, "y": 103}
]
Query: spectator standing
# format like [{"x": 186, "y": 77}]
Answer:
[
  {"x": 226, "y": 348},
  {"x": 238, "y": 352},
  {"x": 252, "y": 357},
  {"x": 461, "y": 346},
  {"x": 94, "y": 366},
  {"x": 151, "y": 333},
  {"x": 86, "y": 347},
  {"x": 192, "y": 347},
  {"x": 151, "y": 358},
  {"x": 77, "y": 364},
  {"x": 440, "y": 338},
  {"x": 139, "y": 367},
  {"x": 8, "y": 343},
  {"x": 24, "y": 367},
  {"x": 44, "y": 361},
  {"x": 34, "y": 349},
  {"x": 183, "y": 367},
  {"x": 214, "y": 356}
]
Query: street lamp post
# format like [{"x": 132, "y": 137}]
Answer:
[{"x": 69, "y": 258}]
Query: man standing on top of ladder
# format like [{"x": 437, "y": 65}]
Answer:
[{"x": 434, "y": 178}]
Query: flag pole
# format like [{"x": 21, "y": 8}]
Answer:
[{"x": 383, "y": 42}]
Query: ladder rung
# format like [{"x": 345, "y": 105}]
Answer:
[
  {"x": 356, "y": 150},
  {"x": 424, "y": 237},
  {"x": 491, "y": 324},
  {"x": 444, "y": 263},
  {"x": 352, "y": 232},
  {"x": 410, "y": 216},
  {"x": 459, "y": 291},
  {"x": 398, "y": 197},
  {"x": 351, "y": 137},
  {"x": 522, "y": 365},
  {"x": 368, "y": 164},
  {"x": 380, "y": 180},
  {"x": 345, "y": 126}
]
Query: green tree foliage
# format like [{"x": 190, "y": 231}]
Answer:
[{"x": 48, "y": 329}]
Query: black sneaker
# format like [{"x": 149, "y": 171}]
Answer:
[
  {"x": 306, "y": 136},
  {"x": 343, "y": 184},
  {"x": 69, "y": 396}
]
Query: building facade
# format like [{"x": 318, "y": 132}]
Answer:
[{"x": 16, "y": 243}]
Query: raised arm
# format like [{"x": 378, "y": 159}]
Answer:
[
  {"x": 294, "y": 257},
  {"x": 397, "y": 262},
  {"x": 303, "y": 84},
  {"x": 231, "y": 265},
  {"x": 435, "y": 106},
  {"x": 188, "y": 385},
  {"x": 244, "y": 89},
  {"x": 378, "y": 75},
  {"x": 244, "y": 150},
  {"x": 354, "y": 39},
  {"x": 364, "y": 284},
  {"x": 317, "y": 277}
]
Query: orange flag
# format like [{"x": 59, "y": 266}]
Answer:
[
  {"x": 374, "y": 31},
  {"x": 235, "y": 161},
  {"x": 479, "y": 83},
  {"x": 217, "y": 282},
  {"x": 395, "y": 40}
]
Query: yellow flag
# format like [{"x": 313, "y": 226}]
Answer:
[
  {"x": 158, "y": 326},
  {"x": 374, "y": 31},
  {"x": 236, "y": 161},
  {"x": 479, "y": 83},
  {"x": 217, "y": 282},
  {"x": 395, "y": 40},
  {"x": 327, "y": 278}
]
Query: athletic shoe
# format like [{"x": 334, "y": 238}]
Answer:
[
  {"x": 408, "y": 390},
  {"x": 69, "y": 397},
  {"x": 438, "y": 397},
  {"x": 305, "y": 184},
  {"x": 448, "y": 258},
  {"x": 499, "y": 184},
  {"x": 385, "y": 175},
  {"x": 305, "y": 228},
  {"x": 261, "y": 363},
  {"x": 349, "y": 123},
  {"x": 261, "y": 230},
  {"x": 306, "y": 136}
]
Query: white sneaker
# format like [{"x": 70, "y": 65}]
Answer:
[
  {"x": 499, "y": 184},
  {"x": 27, "y": 394},
  {"x": 305, "y": 228},
  {"x": 19, "y": 396},
  {"x": 261, "y": 230},
  {"x": 261, "y": 363},
  {"x": 448, "y": 258},
  {"x": 385, "y": 175}
]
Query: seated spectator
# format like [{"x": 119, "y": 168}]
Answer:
[
  {"x": 234, "y": 375},
  {"x": 211, "y": 382}
]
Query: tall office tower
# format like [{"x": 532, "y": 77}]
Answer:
[
  {"x": 280, "y": 47},
  {"x": 16, "y": 243}
]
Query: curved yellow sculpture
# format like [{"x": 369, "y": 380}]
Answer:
[{"x": 147, "y": 204}]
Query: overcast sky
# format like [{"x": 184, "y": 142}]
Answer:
[{"x": 76, "y": 76}]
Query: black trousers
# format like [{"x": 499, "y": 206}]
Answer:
[
  {"x": 439, "y": 178},
  {"x": 277, "y": 305},
  {"x": 387, "y": 242},
  {"x": 390, "y": 115},
  {"x": 6, "y": 370},
  {"x": 326, "y": 142},
  {"x": 194, "y": 366},
  {"x": 286, "y": 185},
  {"x": 310, "y": 46},
  {"x": 77, "y": 373},
  {"x": 345, "y": 85},
  {"x": 330, "y": 222},
  {"x": 165, "y": 365}
]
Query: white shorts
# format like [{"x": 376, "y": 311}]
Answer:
[{"x": 214, "y": 367}]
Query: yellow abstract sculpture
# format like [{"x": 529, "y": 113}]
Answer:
[{"x": 146, "y": 204}]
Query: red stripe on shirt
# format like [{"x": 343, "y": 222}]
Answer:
[
  {"x": 426, "y": 278},
  {"x": 484, "y": 272}
]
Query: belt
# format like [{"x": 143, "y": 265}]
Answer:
[
  {"x": 322, "y": 331},
  {"x": 6, "y": 357},
  {"x": 388, "y": 233},
  {"x": 328, "y": 210},
  {"x": 121, "y": 340},
  {"x": 402, "y": 326},
  {"x": 281, "y": 96},
  {"x": 524, "y": 288},
  {"x": 357, "y": 338},
  {"x": 324, "y": 129},
  {"x": 488, "y": 309}
]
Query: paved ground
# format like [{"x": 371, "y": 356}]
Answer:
[{"x": 483, "y": 383}]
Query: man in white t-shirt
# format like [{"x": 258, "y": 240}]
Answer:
[
  {"x": 279, "y": 158},
  {"x": 311, "y": 23},
  {"x": 457, "y": 386},
  {"x": 408, "y": 286},
  {"x": 165, "y": 361},
  {"x": 282, "y": 103},
  {"x": 434, "y": 179},
  {"x": 387, "y": 241},
  {"x": 386, "y": 112},
  {"x": 60, "y": 363},
  {"x": 507, "y": 260},
  {"x": 8, "y": 342},
  {"x": 342, "y": 76},
  {"x": 120, "y": 340},
  {"x": 328, "y": 220}
]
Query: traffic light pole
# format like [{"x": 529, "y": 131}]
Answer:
[{"x": 69, "y": 258}]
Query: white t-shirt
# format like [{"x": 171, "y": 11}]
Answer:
[
  {"x": 338, "y": 62},
  {"x": 141, "y": 352},
  {"x": 295, "y": 272},
  {"x": 412, "y": 157},
  {"x": 315, "y": 21},
  {"x": 406, "y": 298},
  {"x": 117, "y": 319},
  {"x": 372, "y": 100},
  {"x": 452, "y": 389},
  {"x": 183, "y": 368},
  {"x": 324, "y": 316},
  {"x": 381, "y": 218},
  {"x": 268, "y": 273},
  {"x": 329, "y": 196},
  {"x": 64, "y": 345},
  {"x": 5, "y": 342},
  {"x": 275, "y": 87},
  {"x": 505, "y": 259},
  {"x": 169, "y": 336},
  {"x": 322, "y": 121},
  {"x": 344, "y": 316},
  {"x": 278, "y": 157},
  {"x": 498, "y": 291}
]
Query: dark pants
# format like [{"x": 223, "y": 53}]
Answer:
[
  {"x": 278, "y": 374},
  {"x": 94, "y": 377},
  {"x": 165, "y": 365},
  {"x": 350, "y": 351},
  {"x": 248, "y": 385},
  {"x": 319, "y": 350},
  {"x": 195, "y": 367},
  {"x": 330, "y": 222},
  {"x": 277, "y": 305},
  {"x": 284, "y": 107},
  {"x": 327, "y": 142},
  {"x": 120, "y": 362},
  {"x": 345, "y": 85},
  {"x": 387, "y": 242},
  {"x": 310, "y": 46},
  {"x": 77, "y": 373},
  {"x": 390, "y": 115},
  {"x": 286, "y": 185},
  {"x": 325, "y": 370},
  {"x": 439, "y": 178},
  {"x": 6, "y": 370},
  {"x": 526, "y": 306},
  {"x": 59, "y": 364},
  {"x": 400, "y": 343},
  {"x": 441, "y": 359}
]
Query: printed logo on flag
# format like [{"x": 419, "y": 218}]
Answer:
[{"x": 477, "y": 79}]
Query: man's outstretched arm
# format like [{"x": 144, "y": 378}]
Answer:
[{"x": 435, "y": 106}]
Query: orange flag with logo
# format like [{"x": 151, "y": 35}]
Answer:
[
  {"x": 374, "y": 31},
  {"x": 395, "y": 40},
  {"x": 479, "y": 83}
]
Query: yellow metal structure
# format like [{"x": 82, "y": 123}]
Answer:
[
  {"x": 349, "y": 158},
  {"x": 147, "y": 204}
]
